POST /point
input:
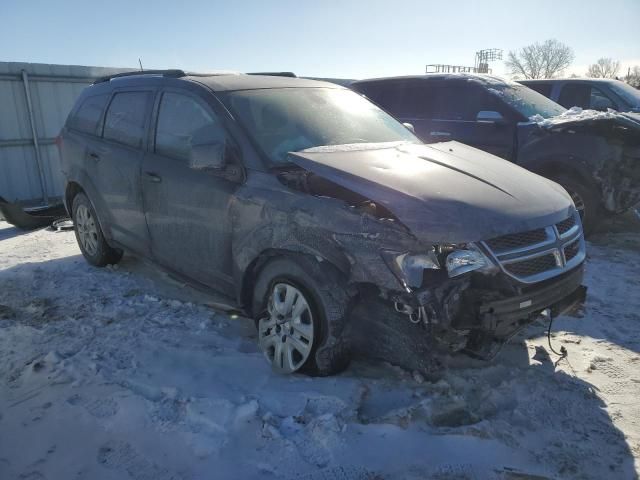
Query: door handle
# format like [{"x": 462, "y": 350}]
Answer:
[
  {"x": 440, "y": 134},
  {"x": 153, "y": 177},
  {"x": 94, "y": 156}
]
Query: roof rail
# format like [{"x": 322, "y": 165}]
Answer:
[
  {"x": 165, "y": 73},
  {"x": 275, "y": 74}
]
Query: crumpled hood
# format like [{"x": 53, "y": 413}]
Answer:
[{"x": 443, "y": 192}]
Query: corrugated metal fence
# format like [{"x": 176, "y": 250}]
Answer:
[{"x": 34, "y": 102}]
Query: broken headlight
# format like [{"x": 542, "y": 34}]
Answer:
[
  {"x": 467, "y": 259},
  {"x": 457, "y": 259},
  {"x": 409, "y": 267}
]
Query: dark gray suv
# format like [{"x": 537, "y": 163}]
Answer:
[{"x": 303, "y": 201}]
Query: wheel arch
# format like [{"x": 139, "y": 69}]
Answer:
[
  {"x": 73, "y": 188},
  {"x": 253, "y": 269}
]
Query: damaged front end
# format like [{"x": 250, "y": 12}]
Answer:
[
  {"x": 475, "y": 297},
  {"x": 480, "y": 310},
  {"x": 451, "y": 295}
]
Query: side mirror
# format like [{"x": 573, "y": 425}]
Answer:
[
  {"x": 410, "y": 127},
  {"x": 208, "y": 156},
  {"x": 488, "y": 116}
]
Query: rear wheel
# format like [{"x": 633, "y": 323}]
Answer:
[
  {"x": 89, "y": 235},
  {"x": 586, "y": 200},
  {"x": 301, "y": 309}
]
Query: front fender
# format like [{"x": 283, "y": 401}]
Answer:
[{"x": 268, "y": 222}]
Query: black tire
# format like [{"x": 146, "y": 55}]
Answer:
[
  {"x": 330, "y": 303},
  {"x": 100, "y": 254},
  {"x": 587, "y": 200}
]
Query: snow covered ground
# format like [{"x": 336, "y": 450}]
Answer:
[{"x": 123, "y": 373}]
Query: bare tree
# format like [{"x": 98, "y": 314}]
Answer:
[
  {"x": 633, "y": 77},
  {"x": 540, "y": 60},
  {"x": 604, "y": 68}
]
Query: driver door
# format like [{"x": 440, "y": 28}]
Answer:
[{"x": 186, "y": 207}]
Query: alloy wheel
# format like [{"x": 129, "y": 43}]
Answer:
[
  {"x": 87, "y": 229},
  {"x": 286, "y": 332}
]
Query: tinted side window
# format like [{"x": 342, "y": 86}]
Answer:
[
  {"x": 599, "y": 101},
  {"x": 182, "y": 123},
  {"x": 373, "y": 91},
  {"x": 384, "y": 94},
  {"x": 125, "y": 118},
  {"x": 88, "y": 116},
  {"x": 458, "y": 102},
  {"x": 542, "y": 88},
  {"x": 575, "y": 95},
  {"x": 414, "y": 99}
]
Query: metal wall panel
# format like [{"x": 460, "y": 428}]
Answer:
[{"x": 53, "y": 89}]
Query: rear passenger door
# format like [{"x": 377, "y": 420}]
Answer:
[
  {"x": 116, "y": 162},
  {"x": 187, "y": 208}
]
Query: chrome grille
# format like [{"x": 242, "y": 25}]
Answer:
[
  {"x": 517, "y": 240},
  {"x": 571, "y": 250},
  {"x": 566, "y": 225},
  {"x": 533, "y": 266},
  {"x": 539, "y": 254}
]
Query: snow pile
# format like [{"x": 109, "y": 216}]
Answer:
[
  {"x": 122, "y": 373},
  {"x": 574, "y": 114}
]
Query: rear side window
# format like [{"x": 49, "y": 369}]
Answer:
[
  {"x": 88, "y": 116},
  {"x": 415, "y": 99},
  {"x": 373, "y": 91},
  {"x": 385, "y": 94},
  {"x": 125, "y": 118},
  {"x": 542, "y": 88},
  {"x": 184, "y": 122},
  {"x": 405, "y": 99}
]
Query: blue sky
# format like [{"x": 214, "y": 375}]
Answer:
[{"x": 351, "y": 39}]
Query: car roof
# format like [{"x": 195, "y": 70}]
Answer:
[
  {"x": 483, "y": 79},
  {"x": 222, "y": 83},
  {"x": 218, "y": 82}
]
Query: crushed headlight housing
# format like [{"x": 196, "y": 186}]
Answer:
[
  {"x": 413, "y": 266},
  {"x": 467, "y": 259},
  {"x": 457, "y": 259},
  {"x": 409, "y": 267}
]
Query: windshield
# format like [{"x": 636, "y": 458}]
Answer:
[
  {"x": 284, "y": 120},
  {"x": 627, "y": 92},
  {"x": 526, "y": 101}
]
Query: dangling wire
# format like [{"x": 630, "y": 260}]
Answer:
[{"x": 563, "y": 351}]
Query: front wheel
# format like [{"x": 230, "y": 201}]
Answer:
[
  {"x": 586, "y": 200},
  {"x": 89, "y": 235},
  {"x": 301, "y": 308}
]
